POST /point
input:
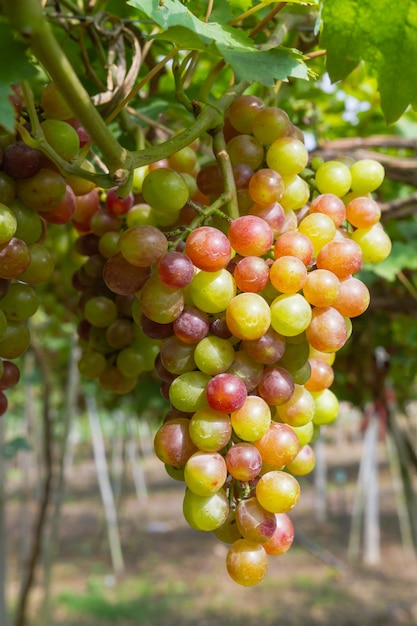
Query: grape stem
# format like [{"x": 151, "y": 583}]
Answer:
[
  {"x": 27, "y": 18},
  {"x": 223, "y": 159}
]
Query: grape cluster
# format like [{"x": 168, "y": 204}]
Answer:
[
  {"x": 240, "y": 319},
  {"x": 250, "y": 315}
]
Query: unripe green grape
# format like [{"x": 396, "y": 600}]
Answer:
[
  {"x": 326, "y": 407},
  {"x": 20, "y": 302},
  {"x": 296, "y": 193},
  {"x": 91, "y": 364},
  {"x": 8, "y": 224},
  {"x": 205, "y": 513},
  {"x": 140, "y": 215},
  {"x": 41, "y": 265},
  {"x": 287, "y": 155},
  {"x": 15, "y": 341},
  {"x": 374, "y": 243},
  {"x": 188, "y": 391},
  {"x": 367, "y": 175},
  {"x": 62, "y": 137},
  {"x": 100, "y": 311},
  {"x": 165, "y": 190},
  {"x": 333, "y": 177},
  {"x": 213, "y": 355},
  {"x": 303, "y": 463},
  {"x": 300, "y": 408},
  {"x": 43, "y": 191},
  {"x": 304, "y": 432},
  {"x": 290, "y": 314},
  {"x": 29, "y": 223},
  {"x": 212, "y": 291},
  {"x": 210, "y": 430},
  {"x": 319, "y": 228}
]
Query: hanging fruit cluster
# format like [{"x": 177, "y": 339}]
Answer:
[{"x": 233, "y": 281}]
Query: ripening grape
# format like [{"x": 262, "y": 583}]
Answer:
[
  {"x": 288, "y": 274},
  {"x": 210, "y": 430},
  {"x": 290, "y": 314},
  {"x": 243, "y": 461},
  {"x": 303, "y": 463},
  {"x": 296, "y": 193},
  {"x": 300, "y": 408},
  {"x": 326, "y": 407},
  {"x": 253, "y": 521},
  {"x": 246, "y": 562},
  {"x": 188, "y": 391},
  {"x": 248, "y": 316},
  {"x": 282, "y": 537},
  {"x": 250, "y": 235},
  {"x": 269, "y": 124},
  {"x": 205, "y": 473},
  {"x": 319, "y": 228},
  {"x": 245, "y": 149},
  {"x": 330, "y": 205},
  {"x": 266, "y": 186},
  {"x": 252, "y": 420},
  {"x": 208, "y": 248},
  {"x": 205, "y": 512},
  {"x": 143, "y": 245},
  {"x": 172, "y": 442},
  {"x": 278, "y": 491},
  {"x": 243, "y": 111},
  {"x": 213, "y": 355},
  {"x": 8, "y": 224},
  {"x": 327, "y": 330},
  {"x": 363, "y": 212},
  {"x": 278, "y": 446}
]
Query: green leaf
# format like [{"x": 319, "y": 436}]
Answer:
[
  {"x": 187, "y": 32},
  {"x": 381, "y": 34},
  {"x": 14, "y": 68}
]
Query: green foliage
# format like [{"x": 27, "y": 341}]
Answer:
[
  {"x": 14, "y": 70},
  {"x": 10, "y": 449},
  {"x": 187, "y": 32},
  {"x": 359, "y": 30}
]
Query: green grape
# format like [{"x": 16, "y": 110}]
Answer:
[
  {"x": 62, "y": 137},
  {"x": 290, "y": 314},
  {"x": 165, "y": 190},
  {"x": 212, "y": 291},
  {"x": 15, "y": 341},
  {"x": 277, "y": 491},
  {"x": 367, "y": 175},
  {"x": 8, "y": 224},
  {"x": 333, "y": 177},
  {"x": 210, "y": 430},
  {"x": 100, "y": 311},
  {"x": 287, "y": 156},
  {"x": 130, "y": 361},
  {"x": 374, "y": 243},
  {"x": 213, "y": 355},
  {"x": 91, "y": 364},
  {"x": 29, "y": 223},
  {"x": 205, "y": 512},
  {"x": 188, "y": 391},
  {"x": 41, "y": 265},
  {"x": 20, "y": 302},
  {"x": 326, "y": 407}
]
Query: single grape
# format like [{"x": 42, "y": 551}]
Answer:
[
  {"x": 253, "y": 521},
  {"x": 8, "y": 224},
  {"x": 250, "y": 235},
  {"x": 248, "y": 316},
  {"x": 210, "y": 430},
  {"x": 213, "y": 355},
  {"x": 246, "y": 562},
  {"x": 287, "y": 155},
  {"x": 252, "y": 420},
  {"x": 205, "y": 513},
  {"x": 303, "y": 463},
  {"x": 225, "y": 392},
  {"x": 165, "y": 190},
  {"x": 333, "y": 177},
  {"x": 208, "y": 248},
  {"x": 188, "y": 391},
  {"x": 367, "y": 175},
  {"x": 278, "y": 491},
  {"x": 172, "y": 442},
  {"x": 205, "y": 473},
  {"x": 143, "y": 245}
]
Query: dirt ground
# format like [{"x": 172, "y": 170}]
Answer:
[{"x": 176, "y": 576}]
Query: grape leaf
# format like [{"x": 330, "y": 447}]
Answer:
[
  {"x": 14, "y": 70},
  {"x": 381, "y": 34},
  {"x": 182, "y": 28}
]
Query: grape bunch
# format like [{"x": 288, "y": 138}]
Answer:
[
  {"x": 232, "y": 281},
  {"x": 250, "y": 314}
]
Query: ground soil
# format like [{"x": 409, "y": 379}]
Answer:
[{"x": 175, "y": 575}]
